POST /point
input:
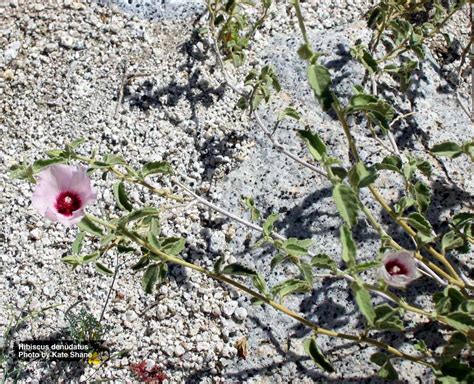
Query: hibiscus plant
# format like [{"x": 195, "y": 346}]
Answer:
[{"x": 64, "y": 189}]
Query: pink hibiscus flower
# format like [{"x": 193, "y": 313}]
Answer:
[
  {"x": 398, "y": 269},
  {"x": 62, "y": 193}
]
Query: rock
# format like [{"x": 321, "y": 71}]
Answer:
[
  {"x": 36, "y": 234},
  {"x": 179, "y": 350},
  {"x": 51, "y": 47},
  {"x": 69, "y": 42},
  {"x": 240, "y": 314},
  {"x": 11, "y": 52},
  {"x": 131, "y": 315},
  {"x": 229, "y": 307},
  {"x": 206, "y": 307},
  {"x": 228, "y": 351},
  {"x": 8, "y": 75},
  {"x": 161, "y": 311},
  {"x": 217, "y": 242}
]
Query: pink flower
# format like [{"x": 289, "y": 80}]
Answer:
[
  {"x": 398, "y": 269},
  {"x": 62, "y": 193}
]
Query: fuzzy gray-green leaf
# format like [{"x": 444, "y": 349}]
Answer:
[{"x": 347, "y": 203}]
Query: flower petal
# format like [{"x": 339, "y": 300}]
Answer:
[
  {"x": 56, "y": 180},
  {"x": 406, "y": 260}
]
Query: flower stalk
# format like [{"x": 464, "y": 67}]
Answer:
[{"x": 363, "y": 338}]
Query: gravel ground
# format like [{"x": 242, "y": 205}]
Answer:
[{"x": 61, "y": 65}]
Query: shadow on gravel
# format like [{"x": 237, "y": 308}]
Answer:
[
  {"x": 196, "y": 91},
  {"x": 324, "y": 310},
  {"x": 289, "y": 357}
]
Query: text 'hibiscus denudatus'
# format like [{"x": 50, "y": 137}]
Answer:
[{"x": 62, "y": 193}]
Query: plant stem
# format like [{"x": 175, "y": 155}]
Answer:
[
  {"x": 280, "y": 147},
  {"x": 117, "y": 267},
  {"x": 323, "y": 331},
  {"x": 299, "y": 16},
  {"x": 454, "y": 278},
  {"x": 159, "y": 191}
]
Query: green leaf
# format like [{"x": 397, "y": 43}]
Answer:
[
  {"x": 378, "y": 110},
  {"x": 320, "y": 81},
  {"x": 218, "y": 265},
  {"x": 77, "y": 244},
  {"x": 348, "y": 246},
  {"x": 365, "y": 266},
  {"x": 305, "y": 52},
  {"x": 86, "y": 225},
  {"x": 142, "y": 263},
  {"x": 295, "y": 247},
  {"x": 250, "y": 204},
  {"x": 347, "y": 203},
  {"x": 155, "y": 228},
  {"x": 421, "y": 346},
  {"x": 89, "y": 258},
  {"x": 154, "y": 242},
  {"x": 442, "y": 303},
  {"x": 288, "y": 112},
  {"x": 77, "y": 142},
  {"x": 388, "y": 318},
  {"x": 379, "y": 358},
  {"x": 323, "y": 261},
  {"x": 386, "y": 371},
  {"x": 162, "y": 272},
  {"x": 461, "y": 321},
  {"x": 362, "y": 55},
  {"x": 404, "y": 203},
  {"x": 364, "y": 302},
  {"x": 71, "y": 260},
  {"x": 468, "y": 149},
  {"x": 423, "y": 166},
  {"x": 173, "y": 245},
  {"x": 307, "y": 273},
  {"x": 238, "y": 269},
  {"x": 259, "y": 283},
  {"x": 418, "y": 222},
  {"x": 290, "y": 286},
  {"x": 360, "y": 176},
  {"x": 391, "y": 163},
  {"x": 101, "y": 268},
  {"x": 121, "y": 197},
  {"x": 316, "y": 146},
  {"x": 312, "y": 349},
  {"x": 463, "y": 219},
  {"x": 114, "y": 160},
  {"x": 55, "y": 153},
  {"x": 22, "y": 172},
  {"x": 155, "y": 167},
  {"x": 456, "y": 344},
  {"x": 448, "y": 148},
  {"x": 451, "y": 240},
  {"x": 277, "y": 259},
  {"x": 453, "y": 371},
  {"x": 340, "y": 172},
  {"x": 38, "y": 165},
  {"x": 268, "y": 224},
  {"x": 150, "y": 278},
  {"x": 422, "y": 196},
  {"x": 138, "y": 214}
]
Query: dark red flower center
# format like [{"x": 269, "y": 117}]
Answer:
[
  {"x": 394, "y": 267},
  {"x": 67, "y": 202}
]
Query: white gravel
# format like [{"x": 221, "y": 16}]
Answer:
[{"x": 60, "y": 69}]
